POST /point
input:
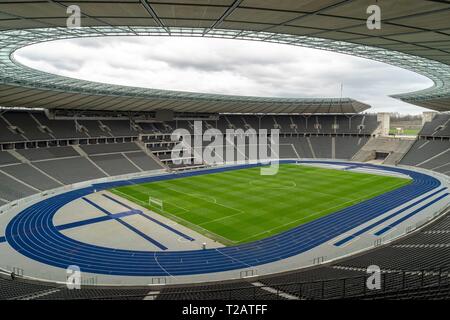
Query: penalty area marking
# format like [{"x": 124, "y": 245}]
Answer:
[
  {"x": 203, "y": 198},
  {"x": 146, "y": 204},
  {"x": 176, "y": 217}
]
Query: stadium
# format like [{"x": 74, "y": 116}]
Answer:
[{"x": 118, "y": 192}]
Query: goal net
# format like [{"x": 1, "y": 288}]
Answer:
[{"x": 156, "y": 203}]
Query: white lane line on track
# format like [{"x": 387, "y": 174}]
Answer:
[
  {"x": 232, "y": 258},
  {"x": 162, "y": 268}
]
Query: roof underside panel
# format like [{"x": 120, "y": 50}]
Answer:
[
  {"x": 11, "y": 96},
  {"x": 415, "y": 35}
]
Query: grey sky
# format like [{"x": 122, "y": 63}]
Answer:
[{"x": 227, "y": 67}]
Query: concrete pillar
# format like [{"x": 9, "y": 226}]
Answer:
[
  {"x": 428, "y": 116},
  {"x": 384, "y": 118}
]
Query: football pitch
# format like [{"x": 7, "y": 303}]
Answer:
[{"x": 240, "y": 206}]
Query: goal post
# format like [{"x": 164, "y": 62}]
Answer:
[{"x": 155, "y": 202}]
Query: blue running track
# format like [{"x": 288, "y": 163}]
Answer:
[
  {"x": 33, "y": 234},
  {"x": 409, "y": 215},
  {"x": 396, "y": 213}
]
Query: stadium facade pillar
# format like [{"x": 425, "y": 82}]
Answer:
[{"x": 428, "y": 116}]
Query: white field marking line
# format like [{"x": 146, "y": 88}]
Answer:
[
  {"x": 365, "y": 179},
  {"x": 330, "y": 195},
  {"x": 222, "y": 218},
  {"x": 303, "y": 218},
  {"x": 206, "y": 196},
  {"x": 226, "y": 217},
  {"x": 145, "y": 203},
  {"x": 178, "y": 217},
  {"x": 169, "y": 202},
  {"x": 193, "y": 196},
  {"x": 295, "y": 185},
  {"x": 372, "y": 177},
  {"x": 197, "y": 225},
  {"x": 251, "y": 182},
  {"x": 144, "y": 189}
]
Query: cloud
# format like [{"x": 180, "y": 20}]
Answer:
[{"x": 226, "y": 67}]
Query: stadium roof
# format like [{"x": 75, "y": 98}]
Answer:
[{"x": 415, "y": 35}]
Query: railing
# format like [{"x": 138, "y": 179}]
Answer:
[
  {"x": 63, "y": 142},
  {"x": 393, "y": 282}
]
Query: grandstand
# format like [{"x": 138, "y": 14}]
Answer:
[
  {"x": 431, "y": 149},
  {"x": 79, "y": 161}
]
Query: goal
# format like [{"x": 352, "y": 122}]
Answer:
[{"x": 155, "y": 202}]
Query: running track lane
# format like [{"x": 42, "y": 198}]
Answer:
[
  {"x": 381, "y": 221},
  {"x": 409, "y": 215},
  {"x": 47, "y": 245}
]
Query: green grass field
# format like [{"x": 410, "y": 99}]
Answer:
[
  {"x": 406, "y": 132},
  {"x": 240, "y": 206}
]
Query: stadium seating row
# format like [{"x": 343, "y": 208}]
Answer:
[
  {"x": 438, "y": 127},
  {"x": 24, "y": 172},
  {"x": 22, "y": 126},
  {"x": 432, "y": 149}
]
